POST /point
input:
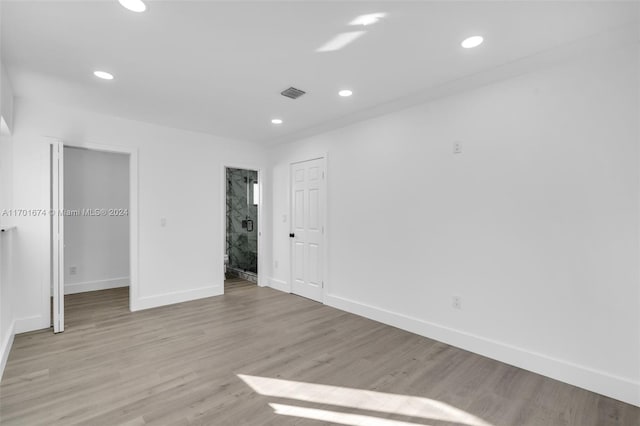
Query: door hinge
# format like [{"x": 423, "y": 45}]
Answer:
[
  {"x": 323, "y": 175},
  {"x": 322, "y": 284}
]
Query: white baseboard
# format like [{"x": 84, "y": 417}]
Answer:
[
  {"x": 578, "y": 375},
  {"x": 36, "y": 322},
  {"x": 176, "y": 297},
  {"x": 72, "y": 288},
  {"x": 278, "y": 285},
  {"x": 6, "y": 347}
]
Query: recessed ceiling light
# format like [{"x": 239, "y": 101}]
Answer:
[
  {"x": 345, "y": 93},
  {"x": 276, "y": 121},
  {"x": 134, "y": 5},
  {"x": 103, "y": 75},
  {"x": 471, "y": 42}
]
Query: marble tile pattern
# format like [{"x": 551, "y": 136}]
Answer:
[
  {"x": 241, "y": 274},
  {"x": 242, "y": 244}
]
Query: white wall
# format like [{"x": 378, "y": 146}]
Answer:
[
  {"x": 6, "y": 251},
  {"x": 180, "y": 178},
  {"x": 6, "y": 94},
  {"x": 6, "y": 200},
  {"x": 534, "y": 225},
  {"x": 97, "y": 246},
  {"x": 6, "y": 99}
]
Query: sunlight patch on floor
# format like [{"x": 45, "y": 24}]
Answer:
[
  {"x": 405, "y": 405},
  {"x": 336, "y": 416}
]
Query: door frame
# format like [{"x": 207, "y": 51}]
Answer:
[
  {"x": 325, "y": 234},
  {"x": 56, "y": 162},
  {"x": 132, "y": 152},
  {"x": 223, "y": 195}
]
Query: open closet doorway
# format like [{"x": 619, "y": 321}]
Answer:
[
  {"x": 92, "y": 223},
  {"x": 242, "y": 227}
]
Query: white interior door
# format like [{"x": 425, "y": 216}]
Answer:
[
  {"x": 57, "y": 234},
  {"x": 307, "y": 228}
]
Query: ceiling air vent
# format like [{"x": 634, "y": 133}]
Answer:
[{"x": 292, "y": 93}]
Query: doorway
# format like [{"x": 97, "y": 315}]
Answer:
[
  {"x": 308, "y": 228},
  {"x": 242, "y": 226},
  {"x": 93, "y": 198}
]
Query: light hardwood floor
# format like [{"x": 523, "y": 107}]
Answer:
[{"x": 256, "y": 356}]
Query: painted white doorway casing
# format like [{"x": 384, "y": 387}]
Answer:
[
  {"x": 308, "y": 197},
  {"x": 57, "y": 234},
  {"x": 57, "y": 223},
  {"x": 223, "y": 191}
]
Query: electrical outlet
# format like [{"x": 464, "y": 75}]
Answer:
[
  {"x": 456, "y": 302},
  {"x": 457, "y": 147},
  {"x": 163, "y": 221},
  {"x": 73, "y": 270}
]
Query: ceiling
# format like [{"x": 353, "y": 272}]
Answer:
[{"x": 219, "y": 66}]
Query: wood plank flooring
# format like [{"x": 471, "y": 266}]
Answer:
[{"x": 256, "y": 356}]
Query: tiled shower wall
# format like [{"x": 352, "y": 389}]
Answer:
[{"x": 242, "y": 243}]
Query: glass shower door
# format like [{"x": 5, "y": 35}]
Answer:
[{"x": 242, "y": 220}]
